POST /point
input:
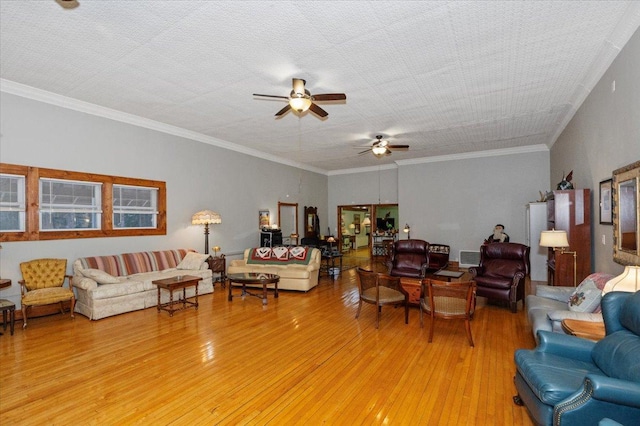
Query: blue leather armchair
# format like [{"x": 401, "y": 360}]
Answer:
[{"x": 567, "y": 380}]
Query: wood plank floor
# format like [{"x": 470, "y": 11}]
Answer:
[{"x": 302, "y": 359}]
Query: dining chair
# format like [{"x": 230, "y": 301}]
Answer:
[
  {"x": 448, "y": 300},
  {"x": 381, "y": 289}
]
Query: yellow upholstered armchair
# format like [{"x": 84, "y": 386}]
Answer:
[{"x": 42, "y": 284}]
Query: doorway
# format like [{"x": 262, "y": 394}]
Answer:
[{"x": 361, "y": 225}]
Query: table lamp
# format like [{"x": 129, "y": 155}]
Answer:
[
  {"x": 206, "y": 217},
  {"x": 407, "y": 230},
  {"x": 558, "y": 240}
]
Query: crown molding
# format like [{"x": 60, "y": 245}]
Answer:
[{"x": 33, "y": 93}]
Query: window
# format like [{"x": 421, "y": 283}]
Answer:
[
  {"x": 50, "y": 204},
  {"x": 12, "y": 203},
  {"x": 66, "y": 204},
  {"x": 134, "y": 207}
]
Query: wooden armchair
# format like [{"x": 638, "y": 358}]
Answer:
[
  {"x": 448, "y": 300},
  {"x": 381, "y": 289},
  {"x": 42, "y": 284}
]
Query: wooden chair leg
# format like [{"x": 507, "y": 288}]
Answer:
[
  {"x": 73, "y": 305},
  {"x": 467, "y": 325},
  {"x": 432, "y": 326},
  {"x": 24, "y": 315}
]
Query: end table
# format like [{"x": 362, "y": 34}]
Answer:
[{"x": 218, "y": 265}]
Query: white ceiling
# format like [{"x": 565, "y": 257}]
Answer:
[{"x": 446, "y": 77}]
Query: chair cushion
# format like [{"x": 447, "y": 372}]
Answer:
[
  {"x": 552, "y": 378},
  {"x": 493, "y": 282},
  {"x": 618, "y": 355},
  {"x": 387, "y": 295},
  {"x": 44, "y": 296},
  {"x": 586, "y": 297}
]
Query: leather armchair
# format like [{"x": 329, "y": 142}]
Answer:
[
  {"x": 567, "y": 380},
  {"x": 501, "y": 273},
  {"x": 409, "y": 258}
]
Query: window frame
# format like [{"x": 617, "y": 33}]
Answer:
[
  {"x": 22, "y": 200},
  {"x": 32, "y": 214},
  {"x": 139, "y": 210}
]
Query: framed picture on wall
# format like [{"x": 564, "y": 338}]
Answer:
[
  {"x": 606, "y": 216},
  {"x": 264, "y": 221}
]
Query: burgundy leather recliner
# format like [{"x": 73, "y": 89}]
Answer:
[
  {"x": 409, "y": 258},
  {"x": 502, "y": 271}
]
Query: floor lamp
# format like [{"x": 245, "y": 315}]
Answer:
[
  {"x": 206, "y": 218},
  {"x": 558, "y": 240}
]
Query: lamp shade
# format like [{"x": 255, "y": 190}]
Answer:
[
  {"x": 366, "y": 221},
  {"x": 205, "y": 217},
  {"x": 629, "y": 280},
  {"x": 554, "y": 239}
]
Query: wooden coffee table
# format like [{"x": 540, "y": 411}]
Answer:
[
  {"x": 171, "y": 284},
  {"x": 254, "y": 278}
]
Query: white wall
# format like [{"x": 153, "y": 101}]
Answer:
[
  {"x": 604, "y": 135},
  {"x": 198, "y": 176},
  {"x": 454, "y": 201},
  {"x": 458, "y": 202}
]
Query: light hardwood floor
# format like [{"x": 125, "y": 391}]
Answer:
[{"x": 302, "y": 359}]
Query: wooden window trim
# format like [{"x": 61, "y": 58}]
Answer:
[{"x": 32, "y": 188}]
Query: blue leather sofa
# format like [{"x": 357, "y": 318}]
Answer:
[{"x": 567, "y": 380}]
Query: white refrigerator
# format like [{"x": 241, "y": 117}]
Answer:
[{"x": 536, "y": 222}]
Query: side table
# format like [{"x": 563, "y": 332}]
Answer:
[
  {"x": 585, "y": 329},
  {"x": 218, "y": 265},
  {"x": 7, "y": 307}
]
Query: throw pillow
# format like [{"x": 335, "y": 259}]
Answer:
[
  {"x": 586, "y": 297},
  {"x": 99, "y": 276},
  {"x": 192, "y": 260}
]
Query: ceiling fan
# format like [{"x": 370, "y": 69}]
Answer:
[
  {"x": 382, "y": 147},
  {"x": 300, "y": 99}
]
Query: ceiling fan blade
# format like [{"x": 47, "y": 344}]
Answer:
[
  {"x": 283, "y": 110},
  {"x": 271, "y": 96},
  {"x": 365, "y": 151},
  {"x": 319, "y": 111},
  {"x": 398, "y": 146},
  {"x": 329, "y": 97}
]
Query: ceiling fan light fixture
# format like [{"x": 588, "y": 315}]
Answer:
[
  {"x": 379, "y": 150},
  {"x": 300, "y": 103}
]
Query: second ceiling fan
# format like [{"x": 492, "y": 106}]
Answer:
[
  {"x": 382, "y": 147},
  {"x": 300, "y": 99}
]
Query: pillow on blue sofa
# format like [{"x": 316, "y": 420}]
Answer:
[{"x": 586, "y": 297}]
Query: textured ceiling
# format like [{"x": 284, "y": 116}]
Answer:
[{"x": 447, "y": 78}]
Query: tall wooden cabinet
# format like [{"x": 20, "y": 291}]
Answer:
[{"x": 570, "y": 211}]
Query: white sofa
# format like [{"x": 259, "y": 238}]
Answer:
[
  {"x": 111, "y": 285},
  {"x": 298, "y": 267}
]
